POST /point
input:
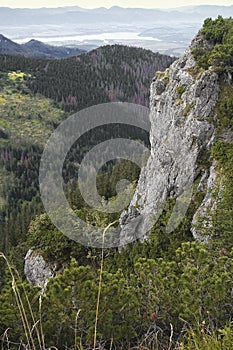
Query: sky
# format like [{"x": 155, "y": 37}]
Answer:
[{"x": 109, "y": 3}]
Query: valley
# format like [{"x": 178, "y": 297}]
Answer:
[
  {"x": 167, "y": 284},
  {"x": 168, "y": 31}
]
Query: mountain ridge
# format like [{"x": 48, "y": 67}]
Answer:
[{"x": 37, "y": 49}]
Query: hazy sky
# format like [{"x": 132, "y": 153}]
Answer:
[{"x": 109, "y": 3}]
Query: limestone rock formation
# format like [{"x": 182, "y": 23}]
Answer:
[
  {"x": 37, "y": 270},
  {"x": 183, "y": 99}
]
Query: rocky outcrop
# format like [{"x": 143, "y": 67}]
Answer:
[
  {"x": 37, "y": 270},
  {"x": 182, "y": 109},
  {"x": 202, "y": 221}
]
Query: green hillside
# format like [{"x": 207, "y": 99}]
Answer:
[
  {"x": 107, "y": 74},
  {"x": 32, "y": 105},
  {"x": 167, "y": 293}
]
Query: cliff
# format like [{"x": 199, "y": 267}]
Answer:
[{"x": 183, "y": 128}]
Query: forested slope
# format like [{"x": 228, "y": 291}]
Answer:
[
  {"x": 168, "y": 292},
  {"x": 111, "y": 73}
]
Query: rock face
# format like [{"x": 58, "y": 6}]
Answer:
[
  {"x": 202, "y": 220},
  {"x": 182, "y": 105},
  {"x": 36, "y": 270}
]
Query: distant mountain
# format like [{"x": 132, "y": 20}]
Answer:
[
  {"x": 207, "y": 10},
  {"x": 107, "y": 74},
  {"x": 86, "y": 28},
  {"x": 8, "y": 47},
  {"x": 35, "y": 48},
  {"x": 115, "y": 14},
  {"x": 43, "y": 50}
]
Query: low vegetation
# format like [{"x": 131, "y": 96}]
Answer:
[{"x": 218, "y": 50}]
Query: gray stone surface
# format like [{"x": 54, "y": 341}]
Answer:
[
  {"x": 180, "y": 129},
  {"x": 37, "y": 270}
]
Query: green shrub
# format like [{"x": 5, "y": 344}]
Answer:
[{"x": 219, "y": 35}]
